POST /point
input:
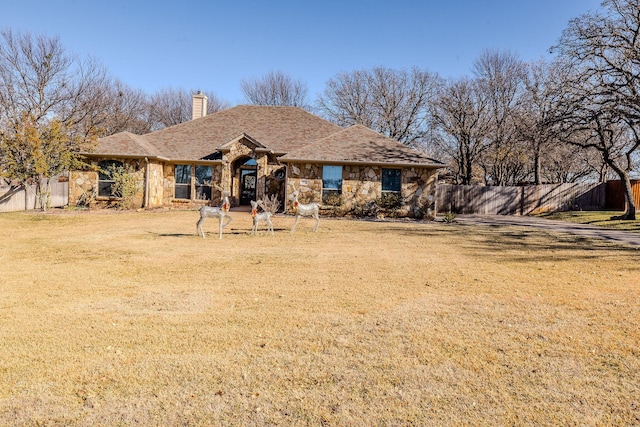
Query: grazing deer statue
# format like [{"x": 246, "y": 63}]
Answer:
[
  {"x": 305, "y": 209},
  {"x": 220, "y": 212},
  {"x": 264, "y": 216}
]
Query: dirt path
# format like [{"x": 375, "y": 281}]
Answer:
[{"x": 622, "y": 237}]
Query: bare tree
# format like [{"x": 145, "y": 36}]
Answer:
[
  {"x": 34, "y": 74},
  {"x": 348, "y": 99},
  {"x": 459, "y": 118},
  {"x": 275, "y": 88},
  {"x": 125, "y": 109},
  {"x": 106, "y": 106},
  {"x": 534, "y": 112},
  {"x": 591, "y": 123},
  {"x": 603, "y": 104},
  {"x": 563, "y": 163},
  {"x": 500, "y": 77},
  {"x": 535, "y": 122},
  {"x": 170, "y": 106},
  {"x": 39, "y": 79},
  {"x": 43, "y": 108},
  {"x": 392, "y": 102}
]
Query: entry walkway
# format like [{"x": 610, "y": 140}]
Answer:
[{"x": 586, "y": 230}]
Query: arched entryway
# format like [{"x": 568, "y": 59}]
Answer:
[{"x": 245, "y": 177}]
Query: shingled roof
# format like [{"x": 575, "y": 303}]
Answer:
[
  {"x": 359, "y": 144},
  {"x": 299, "y": 135},
  {"x": 126, "y": 144}
]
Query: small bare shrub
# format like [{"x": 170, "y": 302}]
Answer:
[
  {"x": 271, "y": 204},
  {"x": 125, "y": 185},
  {"x": 449, "y": 217}
]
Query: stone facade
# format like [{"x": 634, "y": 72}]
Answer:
[
  {"x": 155, "y": 190},
  {"x": 167, "y": 185},
  {"x": 160, "y": 183},
  {"x": 361, "y": 192},
  {"x": 83, "y": 186}
]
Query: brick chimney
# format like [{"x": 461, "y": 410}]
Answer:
[{"x": 199, "y": 105}]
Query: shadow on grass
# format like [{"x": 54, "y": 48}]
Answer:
[
  {"x": 225, "y": 232},
  {"x": 506, "y": 243}
]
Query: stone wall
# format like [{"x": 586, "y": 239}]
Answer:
[
  {"x": 169, "y": 182},
  {"x": 156, "y": 185},
  {"x": 307, "y": 179},
  {"x": 83, "y": 186},
  {"x": 362, "y": 190},
  {"x": 361, "y": 186}
]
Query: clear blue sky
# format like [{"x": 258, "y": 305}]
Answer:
[{"x": 213, "y": 45}]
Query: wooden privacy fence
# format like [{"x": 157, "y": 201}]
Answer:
[
  {"x": 21, "y": 198},
  {"x": 615, "y": 194},
  {"x": 521, "y": 200}
]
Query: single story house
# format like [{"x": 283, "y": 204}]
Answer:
[{"x": 259, "y": 151}]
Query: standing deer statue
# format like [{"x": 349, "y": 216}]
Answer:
[
  {"x": 220, "y": 212},
  {"x": 264, "y": 216},
  {"x": 305, "y": 209}
]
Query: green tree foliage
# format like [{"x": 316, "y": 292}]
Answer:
[{"x": 32, "y": 153}]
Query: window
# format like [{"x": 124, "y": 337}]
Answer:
[
  {"x": 392, "y": 180},
  {"x": 391, "y": 197},
  {"x": 183, "y": 182},
  {"x": 203, "y": 182},
  {"x": 331, "y": 185},
  {"x": 105, "y": 176}
]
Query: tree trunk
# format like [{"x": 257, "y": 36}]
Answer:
[
  {"x": 468, "y": 171},
  {"x": 537, "y": 164},
  {"x": 630, "y": 211},
  {"x": 44, "y": 189}
]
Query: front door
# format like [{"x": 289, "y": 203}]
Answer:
[{"x": 247, "y": 186}]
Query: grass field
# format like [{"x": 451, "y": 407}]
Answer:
[{"x": 131, "y": 319}]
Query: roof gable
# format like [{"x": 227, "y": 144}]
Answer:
[{"x": 243, "y": 136}]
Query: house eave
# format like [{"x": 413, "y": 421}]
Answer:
[
  {"x": 158, "y": 158},
  {"x": 124, "y": 156},
  {"x": 269, "y": 151},
  {"x": 195, "y": 161},
  {"x": 365, "y": 163}
]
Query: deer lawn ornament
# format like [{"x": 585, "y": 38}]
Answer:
[
  {"x": 220, "y": 212},
  {"x": 264, "y": 216},
  {"x": 305, "y": 209}
]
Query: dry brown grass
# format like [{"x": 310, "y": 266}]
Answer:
[{"x": 132, "y": 319}]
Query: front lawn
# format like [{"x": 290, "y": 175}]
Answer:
[{"x": 131, "y": 318}]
